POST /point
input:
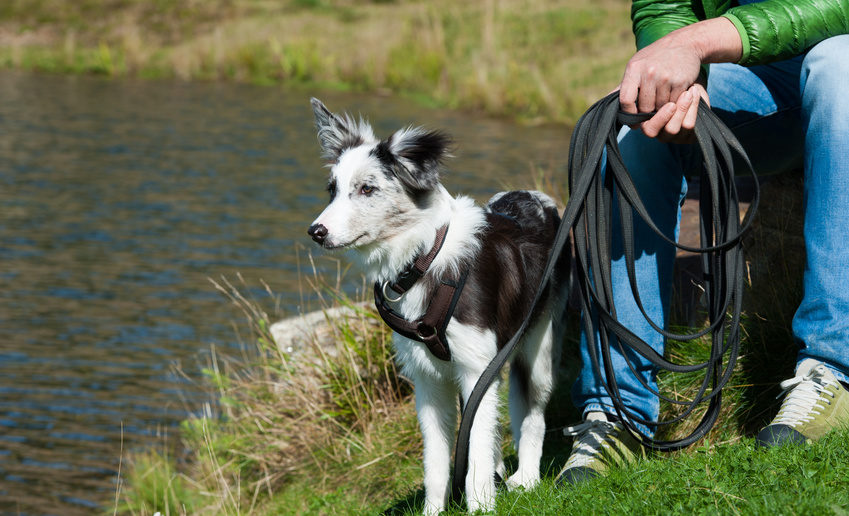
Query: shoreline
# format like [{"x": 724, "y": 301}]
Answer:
[{"x": 528, "y": 60}]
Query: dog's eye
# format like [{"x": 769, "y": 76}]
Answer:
[
  {"x": 367, "y": 189},
  {"x": 331, "y": 189}
]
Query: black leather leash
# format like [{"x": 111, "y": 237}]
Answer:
[{"x": 589, "y": 215}]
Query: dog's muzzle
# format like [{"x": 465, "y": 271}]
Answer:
[{"x": 318, "y": 232}]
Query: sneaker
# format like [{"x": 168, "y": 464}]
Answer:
[
  {"x": 599, "y": 445},
  {"x": 815, "y": 403}
]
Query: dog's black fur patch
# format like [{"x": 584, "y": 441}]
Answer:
[
  {"x": 507, "y": 270},
  {"x": 424, "y": 150}
]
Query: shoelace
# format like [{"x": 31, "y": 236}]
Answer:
[
  {"x": 806, "y": 397},
  {"x": 589, "y": 437}
]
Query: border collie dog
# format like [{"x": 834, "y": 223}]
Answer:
[{"x": 388, "y": 207}]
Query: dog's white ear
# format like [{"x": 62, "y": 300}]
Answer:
[
  {"x": 338, "y": 133},
  {"x": 415, "y": 156}
]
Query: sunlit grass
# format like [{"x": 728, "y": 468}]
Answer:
[
  {"x": 532, "y": 60},
  {"x": 333, "y": 430},
  {"x": 709, "y": 479},
  {"x": 300, "y": 417}
]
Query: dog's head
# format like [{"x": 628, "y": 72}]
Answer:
[{"x": 378, "y": 188}]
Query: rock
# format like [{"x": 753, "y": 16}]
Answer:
[{"x": 296, "y": 334}]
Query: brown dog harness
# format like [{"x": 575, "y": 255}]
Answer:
[{"x": 428, "y": 329}]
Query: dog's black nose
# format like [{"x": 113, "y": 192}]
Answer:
[{"x": 318, "y": 232}]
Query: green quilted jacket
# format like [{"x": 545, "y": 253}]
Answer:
[{"x": 771, "y": 30}]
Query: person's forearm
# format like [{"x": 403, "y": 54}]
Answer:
[{"x": 714, "y": 41}]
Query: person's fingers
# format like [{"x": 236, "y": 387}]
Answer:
[
  {"x": 628, "y": 94},
  {"x": 682, "y": 107},
  {"x": 676, "y": 91},
  {"x": 662, "y": 94},
  {"x": 699, "y": 89},
  {"x": 689, "y": 121},
  {"x": 647, "y": 93},
  {"x": 686, "y": 115},
  {"x": 646, "y": 98},
  {"x": 653, "y": 126}
]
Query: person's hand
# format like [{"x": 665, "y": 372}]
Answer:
[
  {"x": 658, "y": 74},
  {"x": 664, "y": 76}
]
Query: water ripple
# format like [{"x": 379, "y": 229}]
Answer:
[{"x": 118, "y": 199}]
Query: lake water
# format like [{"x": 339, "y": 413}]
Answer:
[{"x": 118, "y": 200}]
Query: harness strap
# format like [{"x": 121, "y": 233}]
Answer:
[
  {"x": 417, "y": 269},
  {"x": 588, "y": 214},
  {"x": 428, "y": 329}
]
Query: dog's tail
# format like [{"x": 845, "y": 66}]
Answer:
[{"x": 533, "y": 211}]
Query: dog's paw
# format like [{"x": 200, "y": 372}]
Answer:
[
  {"x": 482, "y": 506},
  {"x": 483, "y": 499},
  {"x": 521, "y": 479}
]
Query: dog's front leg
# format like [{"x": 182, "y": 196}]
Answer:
[
  {"x": 480, "y": 479},
  {"x": 436, "y": 408}
]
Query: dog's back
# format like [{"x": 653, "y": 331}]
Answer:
[{"x": 515, "y": 248}]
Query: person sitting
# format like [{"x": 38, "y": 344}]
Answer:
[{"x": 775, "y": 72}]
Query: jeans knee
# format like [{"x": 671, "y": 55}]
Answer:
[
  {"x": 825, "y": 69},
  {"x": 834, "y": 47}
]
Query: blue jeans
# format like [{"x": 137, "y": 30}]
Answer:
[{"x": 785, "y": 114}]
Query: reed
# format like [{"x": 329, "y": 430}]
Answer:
[
  {"x": 280, "y": 412},
  {"x": 533, "y": 60}
]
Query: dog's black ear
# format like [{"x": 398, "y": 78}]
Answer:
[
  {"x": 338, "y": 133},
  {"x": 418, "y": 154}
]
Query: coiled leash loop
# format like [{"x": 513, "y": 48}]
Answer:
[
  {"x": 721, "y": 232},
  {"x": 589, "y": 214}
]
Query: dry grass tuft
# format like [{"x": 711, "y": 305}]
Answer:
[{"x": 281, "y": 413}]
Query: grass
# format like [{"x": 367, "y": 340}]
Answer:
[
  {"x": 533, "y": 60},
  {"x": 332, "y": 429},
  {"x": 335, "y": 404},
  {"x": 721, "y": 479},
  {"x": 344, "y": 443},
  {"x": 358, "y": 447}
]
